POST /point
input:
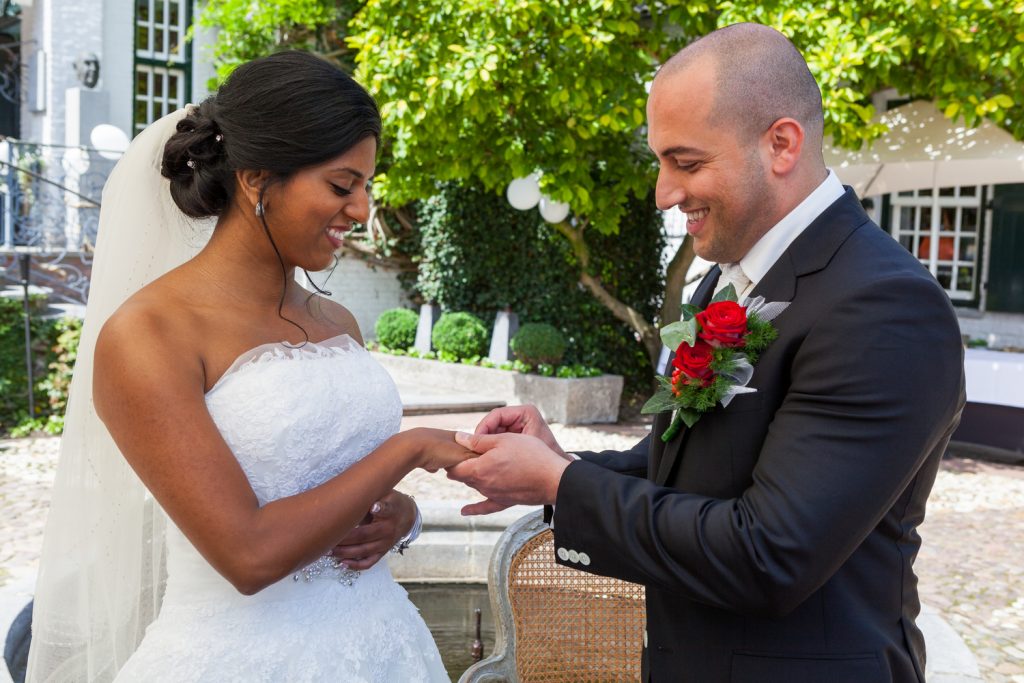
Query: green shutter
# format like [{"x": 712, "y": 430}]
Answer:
[{"x": 1006, "y": 254}]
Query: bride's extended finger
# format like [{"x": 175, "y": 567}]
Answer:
[{"x": 484, "y": 507}]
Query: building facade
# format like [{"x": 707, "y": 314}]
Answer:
[
  {"x": 74, "y": 66},
  {"x": 143, "y": 65}
]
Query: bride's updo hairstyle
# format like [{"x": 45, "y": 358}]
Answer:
[{"x": 280, "y": 113}]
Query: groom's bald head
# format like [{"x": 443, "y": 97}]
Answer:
[{"x": 759, "y": 77}]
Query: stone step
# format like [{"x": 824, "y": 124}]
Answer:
[{"x": 417, "y": 400}]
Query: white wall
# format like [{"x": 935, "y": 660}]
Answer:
[
  {"x": 63, "y": 29},
  {"x": 202, "y": 59},
  {"x": 117, "y": 61},
  {"x": 365, "y": 291}
]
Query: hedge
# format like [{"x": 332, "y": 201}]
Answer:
[{"x": 478, "y": 254}]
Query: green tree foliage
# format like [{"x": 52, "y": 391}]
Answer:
[
  {"x": 247, "y": 30},
  {"x": 966, "y": 55},
  {"x": 492, "y": 91},
  {"x": 484, "y": 91}
]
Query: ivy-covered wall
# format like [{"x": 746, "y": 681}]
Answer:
[{"x": 480, "y": 255}]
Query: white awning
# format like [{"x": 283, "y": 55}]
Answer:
[{"x": 924, "y": 149}]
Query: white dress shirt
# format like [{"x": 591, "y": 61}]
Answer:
[{"x": 763, "y": 255}]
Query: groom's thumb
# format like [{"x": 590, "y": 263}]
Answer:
[{"x": 478, "y": 443}]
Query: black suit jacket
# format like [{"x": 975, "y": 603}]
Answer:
[{"x": 776, "y": 538}]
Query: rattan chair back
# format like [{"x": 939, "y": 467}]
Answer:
[{"x": 556, "y": 624}]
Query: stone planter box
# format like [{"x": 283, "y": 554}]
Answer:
[{"x": 569, "y": 401}]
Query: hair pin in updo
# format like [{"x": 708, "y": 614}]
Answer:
[
  {"x": 218, "y": 137},
  {"x": 191, "y": 163}
]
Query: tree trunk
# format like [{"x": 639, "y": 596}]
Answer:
[
  {"x": 647, "y": 331},
  {"x": 675, "y": 280}
]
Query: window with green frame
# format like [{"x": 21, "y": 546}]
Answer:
[
  {"x": 162, "y": 59},
  {"x": 942, "y": 227}
]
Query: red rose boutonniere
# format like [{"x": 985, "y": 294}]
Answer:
[{"x": 716, "y": 349}]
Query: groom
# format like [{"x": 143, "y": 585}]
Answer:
[{"x": 776, "y": 537}]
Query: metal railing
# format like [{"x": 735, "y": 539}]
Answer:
[{"x": 49, "y": 209}]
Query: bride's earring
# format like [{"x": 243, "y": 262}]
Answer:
[{"x": 259, "y": 208}]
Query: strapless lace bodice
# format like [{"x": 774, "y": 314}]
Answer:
[{"x": 294, "y": 418}]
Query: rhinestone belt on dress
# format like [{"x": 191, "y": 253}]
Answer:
[{"x": 327, "y": 566}]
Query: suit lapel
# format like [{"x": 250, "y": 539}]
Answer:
[
  {"x": 813, "y": 249},
  {"x": 810, "y": 252},
  {"x": 664, "y": 455}
]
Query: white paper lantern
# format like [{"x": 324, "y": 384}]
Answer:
[
  {"x": 110, "y": 140},
  {"x": 552, "y": 211},
  {"x": 523, "y": 193}
]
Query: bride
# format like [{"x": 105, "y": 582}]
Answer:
[{"x": 246, "y": 410}]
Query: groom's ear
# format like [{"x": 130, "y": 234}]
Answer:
[
  {"x": 785, "y": 140},
  {"x": 249, "y": 185}
]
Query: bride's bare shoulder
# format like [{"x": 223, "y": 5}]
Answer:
[{"x": 156, "y": 320}]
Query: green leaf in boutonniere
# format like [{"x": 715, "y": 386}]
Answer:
[
  {"x": 727, "y": 293},
  {"x": 661, "y": 401},
  {"x": 690, "y": 417},
  {"x": 689, "y": 311},
  {"x": 682, "y": 416},
  {"x": 679, "y": 332}
]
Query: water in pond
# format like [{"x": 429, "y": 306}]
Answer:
[{"x": 448, "y": 610}]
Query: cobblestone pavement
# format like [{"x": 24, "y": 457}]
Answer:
[{"x": 971, "y": 565}]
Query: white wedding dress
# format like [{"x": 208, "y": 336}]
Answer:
[{"x": 294, "y": 418}]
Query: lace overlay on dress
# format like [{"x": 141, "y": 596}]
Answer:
[{"x": 293, "y": 417}]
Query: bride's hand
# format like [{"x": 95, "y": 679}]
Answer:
[
  {"x": 385, "y": 524},
  {"x": 436, "y": 448}
]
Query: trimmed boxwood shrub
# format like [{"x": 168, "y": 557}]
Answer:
[
  {"x": 539, "y": 344},
  {"x": 460, "y": 335},
  {"x": 396, "y": 328}
]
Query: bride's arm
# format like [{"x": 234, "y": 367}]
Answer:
[{"x": 148, "y": 390}]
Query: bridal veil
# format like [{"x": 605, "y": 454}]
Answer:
[{"x": 102, "y": 567}]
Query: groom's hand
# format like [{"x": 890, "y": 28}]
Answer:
[
  {"x": 519, "y": 420},
  {"x": 512, "y": 469},
  {"x": 388, "y": 520}
]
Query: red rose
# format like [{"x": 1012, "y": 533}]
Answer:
[
  {"x": 694, "y": 362},
  {"x": 723, "y": 323}
]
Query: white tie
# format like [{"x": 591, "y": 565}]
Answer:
[{"x": 733, "y": 274}]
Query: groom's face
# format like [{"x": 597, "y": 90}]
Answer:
[{"x": 710, "y": 171}]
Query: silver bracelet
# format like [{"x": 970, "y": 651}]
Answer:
[{"x": 405, "y": 541}]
